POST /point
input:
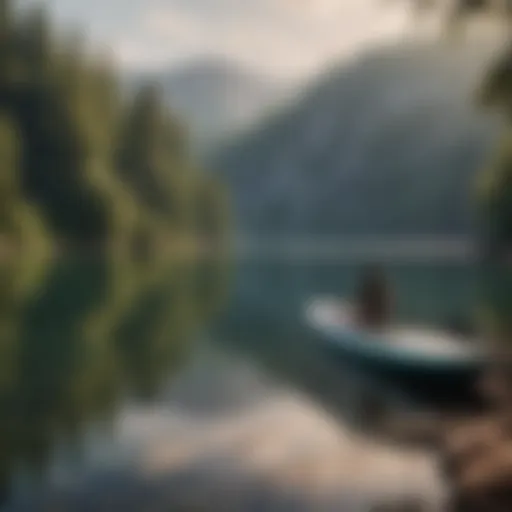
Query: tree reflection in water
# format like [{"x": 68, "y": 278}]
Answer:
[{"x": 81, "y": 336}]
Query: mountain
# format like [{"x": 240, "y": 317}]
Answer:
[
  {"x": 216, "y": 98},
  {"x": 388, "y": 144}
]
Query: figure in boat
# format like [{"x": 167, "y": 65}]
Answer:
[{"x": 373, "y": 300}]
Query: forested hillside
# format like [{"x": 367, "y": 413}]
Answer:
[
  {"x": 389, "y": 144},
  {"x": 77, "y": 162}
]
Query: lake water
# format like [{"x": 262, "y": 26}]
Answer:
[{"x": 182, "y": 386}]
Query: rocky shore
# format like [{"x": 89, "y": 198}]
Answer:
[{"x": 476, "y": 453}]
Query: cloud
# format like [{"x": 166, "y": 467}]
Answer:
[{"x": 290, "y": 37}]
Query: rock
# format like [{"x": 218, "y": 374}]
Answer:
[
  {"x": 417, "y": 430},
  {"x": 488, "y": 472},
  {"x": 478, "y": 462},
  {"x": 496, "y": 388},
  {"x": 464, "y": 443},
  {"x": 407, "y": 505},
  {"x": 476, "y": 453}
]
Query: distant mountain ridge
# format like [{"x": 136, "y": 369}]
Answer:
[
  {"x": 216, "y": 98},
  {"x": 388, "y": 144}
]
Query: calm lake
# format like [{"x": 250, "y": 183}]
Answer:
[{"x": 167, "y": 388}]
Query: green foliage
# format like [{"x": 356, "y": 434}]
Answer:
[
  {"x": 496, "y": 88},
  {"x": 494, "y": 189},
  {"x": 94, "y": 171},
  {"x": 495, "y": 182},
  {"x": 151, "y": 155},
  {"x": 20, "y": 226},
  {"x": 495, "y": 197}
]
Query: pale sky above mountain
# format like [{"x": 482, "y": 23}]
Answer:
[{"x": 282, "y": 37}]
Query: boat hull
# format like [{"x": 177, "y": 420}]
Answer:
[
  {"x": 440, "y": 379},
  {"x": 428, "y": 385}
]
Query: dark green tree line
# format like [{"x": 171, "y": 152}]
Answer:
[{"x": 95, "y": 168}]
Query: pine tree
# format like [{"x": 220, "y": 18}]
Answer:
[
  {"x": 141, "y": 156},
  {"x": 152, "y": 157},
  {"x": 94, "y": 170}
]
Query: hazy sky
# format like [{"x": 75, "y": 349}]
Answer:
[{"x": 287, "y": 37}]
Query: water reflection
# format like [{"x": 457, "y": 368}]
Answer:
[
  {"x": 495, "y": 311},
  {"x": 265, "y": 323},
  {"x": 96, "y": 343},
  {"x": 83, "y": 336}
]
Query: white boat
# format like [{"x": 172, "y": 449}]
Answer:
[{"x": 418, "y": 357}]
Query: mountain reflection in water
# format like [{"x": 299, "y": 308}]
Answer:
[{"x": 115, "y": 396}]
